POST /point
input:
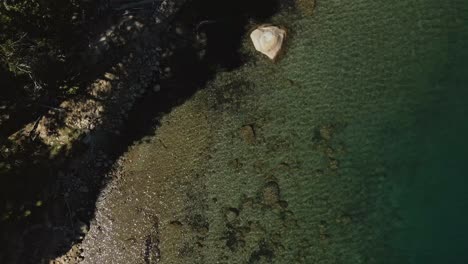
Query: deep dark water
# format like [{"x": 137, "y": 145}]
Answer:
[{"x": 431, "y": 189}]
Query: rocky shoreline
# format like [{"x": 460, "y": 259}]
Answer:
[{"x": 78, "y": 139}]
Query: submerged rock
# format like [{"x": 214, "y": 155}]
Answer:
[
  {"x": 247, "y": 133},
  {"x": 271, "y": 193}
]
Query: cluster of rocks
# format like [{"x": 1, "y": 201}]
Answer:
[{"x": 323, "y": 140}]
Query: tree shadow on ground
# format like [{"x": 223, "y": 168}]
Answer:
[{"x": 48, "y": 196}]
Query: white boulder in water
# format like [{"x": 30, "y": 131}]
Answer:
[{"x": 268, "y": 40}]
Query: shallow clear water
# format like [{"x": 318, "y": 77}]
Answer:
[
  {"x": 390, "y": 77},
  {"x": 350, "y": 149}
]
